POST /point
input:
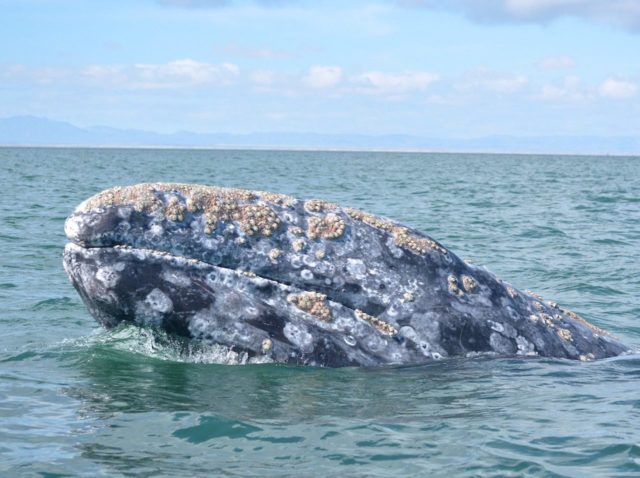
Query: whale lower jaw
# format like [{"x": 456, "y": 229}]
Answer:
[{"x": 252, "y": 315}]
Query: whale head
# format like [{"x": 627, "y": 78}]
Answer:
[
  {"x": 246, "y": 270},
  {"x": 299, "y": 281}
]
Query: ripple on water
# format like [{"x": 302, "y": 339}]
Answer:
[
  {"x": 81, "y": 401},
  {"x": 55, "y": 304}
]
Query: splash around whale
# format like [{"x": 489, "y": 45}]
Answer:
[{"x": 308, "y": 282}]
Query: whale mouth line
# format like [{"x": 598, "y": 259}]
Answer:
[
  {"x": 179, "y": 260},
  {"x": 184, "y": 260}
]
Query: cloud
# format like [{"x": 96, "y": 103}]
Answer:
[
  {"x": 486, "y": 79},
  {"x": 176, "y": 74},
  {"x": 570, "y": 90},
  {"x": 262, "y": 77},
  {"x": 623, "y": 13},
  {"x": 618, "y": 89},
  {"x": 556, "y": 63},
  {"x": 39, "y": 75},
  {"x": 395, "y": 83},
  {"x": 323, "y": 76}
]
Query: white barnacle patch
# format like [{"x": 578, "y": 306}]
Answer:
[
  {"x": 299, "y": 337},
  {"x": 72, "y": 227},
  {"x": 175, "y": 278},
  {"x": 306, "y": 274},
  {"x": 498, "y": 327},
  {"x": 356, "y": 268},
  {"x": 158, "y": 301},
  {"x": 408, "y": 332},
  {"x": 156, "y": 230},
  {"x": 375, "y": 343},
  {"x": 200, "y": 323},
  {"x": 266, "y": 345},
  {"x": 499, "y": 343},
  {"x": 525, "y": 347},
  {"x": 251, "y": 312},
  {"x": 408, "y": 296},
  {"x": 394, "y": 249},
  {"x": 108, "y": 275}
]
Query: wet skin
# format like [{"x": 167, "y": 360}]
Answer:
[{"x": 307, "y": 282}]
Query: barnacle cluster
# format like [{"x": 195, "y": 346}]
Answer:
[
  {"x": 174, "y": 210},
  {"x": 314, "y": 303},
  {"x": 533, "y": 294},
  {"x": 379, "y": 324},
  {"x": 318, "y": 205},
  {"x": 469, "y": 283},
  {"x": 330, "y": 226},
  {"x": 565, "y": 334},
  {"x": 418, "y": 245},
  {"x": 274, "y": 254},
  {"x": 408, "y": 297},
  {"x": 402, "y": 236},
  {"x": 298, "y": 245},
  {"x": 276, "y": 198},
  {"x": 257, "y": 219},
  {"x": 266, "y": 345},
  {"x": 544, "y": 318},
  {"x": 454, "y": 287},
  {"x": 141, "y": 196},
  {"x": 216, "y": 204},
  {"x": 370, "y": 219},
  {"x": 596, "y": 330},
  {"x": 296, "y": 231}
]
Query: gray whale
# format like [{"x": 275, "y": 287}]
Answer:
[{"x": 302, "y": 281}]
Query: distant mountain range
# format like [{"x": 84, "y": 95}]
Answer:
[{"x": 35, "y": 131}]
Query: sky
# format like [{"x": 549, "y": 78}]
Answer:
[{"x": 442, "y": 69}]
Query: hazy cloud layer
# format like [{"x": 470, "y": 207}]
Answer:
[
  {"x": 569, "y": 89},
  {"x": 184, "y": 73},
  {"x": 623, "y": 13},
  {"x": 489, "y": 80},
  {"x": 556, "y": 63},
  {"x": 323, "y": 76}
]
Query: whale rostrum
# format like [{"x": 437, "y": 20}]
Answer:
[{"x": 302, "y": 281}]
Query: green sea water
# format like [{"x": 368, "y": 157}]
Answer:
[{"x": 76, "y": 400}]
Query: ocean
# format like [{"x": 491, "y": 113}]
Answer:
[{"x": 76, "y": 400}]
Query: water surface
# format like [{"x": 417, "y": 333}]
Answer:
[{"x": 77, "y": 400}]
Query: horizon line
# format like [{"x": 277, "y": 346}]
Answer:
[{"x": 315, "y": 150}]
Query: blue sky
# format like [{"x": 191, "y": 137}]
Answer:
[{"x": 449, "y": 69}]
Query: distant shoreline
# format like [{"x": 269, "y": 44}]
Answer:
[
  {"x": 29, "y": 131},
  {"x": 317, "y": 150}
]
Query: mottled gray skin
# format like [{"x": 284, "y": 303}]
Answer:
[{"x": 151, "y": 254}]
